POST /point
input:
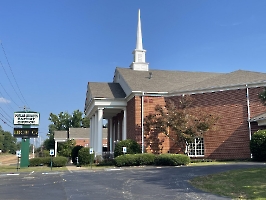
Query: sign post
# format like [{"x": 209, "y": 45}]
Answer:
[
  {"x": 91, "y": 152},
  {"x": 18, "y": 154},
  {"x": 51, "y": 154},
  {"x": 25, "y": 119}
]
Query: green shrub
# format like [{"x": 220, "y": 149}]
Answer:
[
  {"x": 132, "y": 147},
  {"x": 59, "y": 161},
  {"x": 106, "y": 162},
  {"x": 35, "y": 162},
  {"x": 171, "y": 159},
  {"x": 126, "y": 160},
  {"x": 258, "y": 145},
  {"x": 146, "y": 159},
  {"x": 134, "y": 159},
  {"x": 84, "y": 156},
  {"x": 74, "y": 153}
]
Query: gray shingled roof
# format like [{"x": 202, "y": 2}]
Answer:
[
  {"x": 258, "y": 118},
  {"x": 162, "y": 80},
  {"x": 60, "y": 135},
  {"x": 79, "y": 133},
  {"x": 170, "y": 81},
  {"x": 106, "y": 90}
]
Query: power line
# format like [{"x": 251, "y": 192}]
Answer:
[
  {"x": 25, "y": 102},
  {"x": 8, "y": 95},
  {"x": 5, "y": 112},
  {"x": 6, "y": 123},
  {"x": 5, "y": 118},
  {"x": 10, "y": 82}
]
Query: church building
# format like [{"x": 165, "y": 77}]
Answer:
[{"x": 136, "y": 90}]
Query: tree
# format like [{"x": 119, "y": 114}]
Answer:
[
  {"x": 262, "y": 96},
  {"x": 8, "y": 144},
  {"x": 62, "y": 122},
  {"x": 179, "y": 121}
]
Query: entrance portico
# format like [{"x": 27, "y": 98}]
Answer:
[{"x": 110, "y": 109}]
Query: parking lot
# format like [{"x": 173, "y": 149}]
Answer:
[{"x": 127, "y": 183}]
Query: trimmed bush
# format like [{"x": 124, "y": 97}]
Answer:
[
  {"x": 84, "y": 156},
  {"x": 134, "y": 159},
  {"x": 126, "y": 160},
  {"x": 171, "y": 159},
  {"x": 146, "y": 159},
  {"x": 35, "y": 162},
  {"x": 258, "y": 145},
  {"x": 57, "y": 161},
  {"x": 74, "y": 153},
  {"x": 132, "y": 147}
]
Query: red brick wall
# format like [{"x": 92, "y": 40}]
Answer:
[{"x": 229, "y": 139}]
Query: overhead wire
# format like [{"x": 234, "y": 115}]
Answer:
[{"x": 14, "y": 76}]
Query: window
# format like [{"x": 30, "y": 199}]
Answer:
[{"x": 196, "y": 149}]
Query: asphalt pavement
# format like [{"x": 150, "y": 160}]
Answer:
[{"x": 130, "y": 183}]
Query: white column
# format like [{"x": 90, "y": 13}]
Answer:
[
  {"x": 111, "y": 139},
  {"x": 91, "y": 132},
  {"x": 100, "y": 132},
  {"x": 124, "y": 126},
  {"x": 95, "y": 134},
  {"x": 55, "y": 148}
]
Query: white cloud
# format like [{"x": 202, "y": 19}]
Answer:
[{"x": 3, "y": 100}]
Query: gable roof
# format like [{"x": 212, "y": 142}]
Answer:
[
  {"x": 172, "y": 81},
  {"x": 60, "y": 135},
  {"x": 79, "y": 133},
  {"x": 162, "y": 80},
  {"x": 106, "y": 90}
]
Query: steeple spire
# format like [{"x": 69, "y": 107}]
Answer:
[
  {"x": 139, "y": 34},
  {"x": 139, "y": 53}
]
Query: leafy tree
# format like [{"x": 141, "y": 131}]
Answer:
[
  {"x": 132, "y": 147},
  {"x": 62, "y": 122},
  {"x": 179, "y": 121},
  {"x": 65, "y": 148},
  {"x": 8, "y": 144},
  {"x": 262, "y": 96},
  {"x": 258, "y": 145}
]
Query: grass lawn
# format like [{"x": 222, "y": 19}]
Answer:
[
  {"x": 13, "y": 169},
  {"x": 237, "y": 184}
]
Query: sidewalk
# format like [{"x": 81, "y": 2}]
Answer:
[{"x": 74, "y": 168}]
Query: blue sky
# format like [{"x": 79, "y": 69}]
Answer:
[{"x": 55, "y": 47}]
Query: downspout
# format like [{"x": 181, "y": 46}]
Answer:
[
  {"x": 142, "y": 122},
  {"x": 249, "y": 124}
]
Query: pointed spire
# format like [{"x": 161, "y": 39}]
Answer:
[
  {"x": 139, "y": 62},
  {"x": 139, "y": 34}
]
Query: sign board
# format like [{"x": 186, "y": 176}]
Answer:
[
  {"x": 124, "y": 149},
  {"x": 25, "y": 132},
  {"x": 51, "y": 152},
  {"x": 91, "y": 150},
  {"x": 26, "y": 118},
  {"x": 18, "y": 153}
]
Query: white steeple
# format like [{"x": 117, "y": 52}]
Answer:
[{"x": 139, "y": 53}]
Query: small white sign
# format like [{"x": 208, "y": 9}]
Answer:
[
  {"x": 18, "y": 153},
  {"x": 26, "y": 118},
  {"x": 91, "y": 150},
  {"x": 124, "y": 149},
  {"x": 51, "y": 152}
]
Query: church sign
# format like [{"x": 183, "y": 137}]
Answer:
[{"x": 26, "y": 118}]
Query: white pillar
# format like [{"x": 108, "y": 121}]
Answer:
[
  {"x": 111, "y": 139},
  {"x": 91, "y": 132},
  {"x": 100, "y": 132},
  {"x": 124, "y": 126},
  {"x": 95, "y": 134},
  {"x": 55, "y": 148}
]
